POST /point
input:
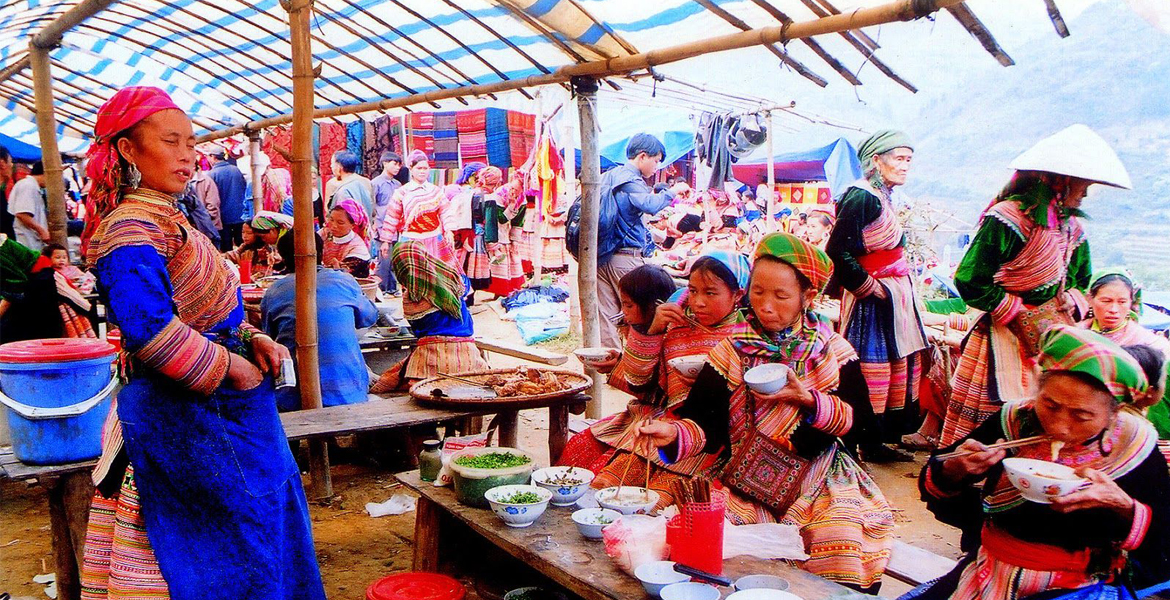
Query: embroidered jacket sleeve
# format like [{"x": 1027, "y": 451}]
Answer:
[
  {"x": 138, "y": 289},
  {"x": 392, "y": 225},
  {"x": 637, "y": 370},
  {"x": 995, "y": 244},
  {"x": 856, "y": 210}
]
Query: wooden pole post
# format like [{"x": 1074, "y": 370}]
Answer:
[
  {"x": 308, "y": 373},
  {"x": 586, "y": 89},
  {"x": 536, "y": 248},
  {"x": 50, "y": 155},
  {"x": 771, "y": 177},
  {"x": 569, "y": 144},
  {"x": 257, "y": 172}
]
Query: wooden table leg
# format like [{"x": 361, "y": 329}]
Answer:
[
  {"x": 558, "y": 431},
  {"x": 321, "y": 482},
  {"x": 507, "y": 423},
  {"x": 427, "y": 530},
  {"x": 64, "y": 552}
]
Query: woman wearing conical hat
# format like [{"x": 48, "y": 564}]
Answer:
[{"x": 1027, "y": 267}]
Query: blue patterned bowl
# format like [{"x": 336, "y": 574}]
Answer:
[
  {"x": 564, "y": 494},
  {"x": 514, "y": 514}
]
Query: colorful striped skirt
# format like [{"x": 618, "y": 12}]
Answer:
[
  {"x": 119, "y": 563},
  {"x": 991, "y": 371},
  {"x": 444, "y": 354}
]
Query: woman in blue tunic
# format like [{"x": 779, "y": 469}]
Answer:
[{"x": 198, "y": 495}]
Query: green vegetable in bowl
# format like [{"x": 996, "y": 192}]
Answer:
[
  {"x": 520, "y": 498},
  {"x": 493, "y": 460},
  {"x": 603, "y": 519}
]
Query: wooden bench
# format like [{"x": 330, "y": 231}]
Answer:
[
  {"x": 916, "y": 566},
  {"x": 69, "y": 489}
]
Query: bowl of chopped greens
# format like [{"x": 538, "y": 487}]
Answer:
[
  {"x": 533, "y": 593},
  {"x": 518, "y": 505},
  {"x": 590, "y": 521},
  {"x": 477, "y": 470},
  {"x": 567, "y": 484}
]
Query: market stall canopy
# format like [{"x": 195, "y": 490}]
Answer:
[
  {"x": 227, "y": 62},
  {"x": 20, "y": 138},
  {"x": 835, "y": 163}
]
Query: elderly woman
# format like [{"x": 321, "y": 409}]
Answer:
[
  {"x": 879, "y": 311},
  {"x": 1027, "y": 266},
  {"x": 416, "y": 213},
  {"x": 1112, "y": 534},
  {"x": 197, "y": 492},
  {"x": 843, "y": 517}
]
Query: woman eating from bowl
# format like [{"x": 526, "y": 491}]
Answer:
[
  {"x": 650, "y": 369},
  {"x": 640, "y": 292},
  {"x": 1114, "y": 533},
  {"x": 843, "y": 517}
]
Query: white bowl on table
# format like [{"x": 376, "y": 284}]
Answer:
[
  {"x": 755, "y": 582},
  {"x": 1040, "y": 480},
  {"x": 514, "y": 514},
  {"x": 590, "y": 521},
  {"x": 564, "y": 494},
  {"x": 658, "y": 574},
  {"x": 631, "y": 501},
  {"x": 690, "y": 590},
  {"x": 767, "y": 379},
  {"x": 595, "y": 355},
  {"x": 763, "y": 594},
  {"x": 689, "y": 366}
]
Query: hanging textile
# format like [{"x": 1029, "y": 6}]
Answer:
[
  {"x": 521, "y": 137},
  {"x": 446, "y": 141},
  {"x": 471, "y": 126},
  {"x": 331, "y": 139},
  {"x": 370, "y": 154},
  {"x": 384, "y": 127},
  {"x": 422, "y": 132},
  {"x": 355, "y": 140},
  {"x": 496, "y": 139},
  {"x": 278, "y": 137}
]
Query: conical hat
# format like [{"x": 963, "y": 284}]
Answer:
[{"x": 1076, "y": 151}]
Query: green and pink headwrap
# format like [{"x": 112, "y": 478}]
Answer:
[{"x": 1070, "y": 348}]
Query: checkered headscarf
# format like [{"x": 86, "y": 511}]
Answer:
[
  {"x": 807, "y": 259},
  {"x": 1070, "y": 348}
]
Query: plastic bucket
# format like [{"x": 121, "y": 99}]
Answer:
[
  {"x": 695, "y": 535},
  {"x": 57, "y": 394}
]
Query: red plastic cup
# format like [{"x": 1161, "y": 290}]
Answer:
[{"x": 695, "y": 535}]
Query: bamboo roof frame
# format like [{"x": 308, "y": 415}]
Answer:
[{"x": 335, "y": 89}]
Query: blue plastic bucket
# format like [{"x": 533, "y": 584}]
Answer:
[{"x": 57, "y": 393}]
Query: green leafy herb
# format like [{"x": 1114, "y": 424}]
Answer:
[
  {"x": 604, "y": 519},
  {"x": 493, "y": 460},
  {"x": 520, "y": 498}
]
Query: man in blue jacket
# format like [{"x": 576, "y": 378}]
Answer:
[
  {"x": 634, "y": 198},
  {"x": 232, "y": 187}
]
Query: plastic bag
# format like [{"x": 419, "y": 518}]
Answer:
[
  {"x": 541, "y": 321},
  {"x": 633, "y": 540},
  {"x": 398, "y": 504},
  {"x": 763, "y": 540},
  {"x": 451, "y": 445}
]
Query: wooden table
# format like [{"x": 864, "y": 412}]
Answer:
[
  {"x": 555, "y": 548},
  {"x": 70, "y": 490}
]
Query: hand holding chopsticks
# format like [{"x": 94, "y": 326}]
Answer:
[
  {"x": 960, "y": 451},
  {"x": 973, "y": 458}
]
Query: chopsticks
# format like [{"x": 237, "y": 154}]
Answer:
[
  {"x": 689, "y": 319},
  {"x": 1028, "y": 441},
  {"x": 464, "y": 380}
]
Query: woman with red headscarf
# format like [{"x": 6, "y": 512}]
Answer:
[{"x": 197, "y": 492}]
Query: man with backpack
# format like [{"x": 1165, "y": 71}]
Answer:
[{"x": 623, "y": 241}]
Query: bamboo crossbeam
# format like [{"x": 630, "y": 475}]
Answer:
[
  {"x": 902, "y": 10},
  {"x": 976, "y": 28},
  {"x": 50, "y": 35},
  {"x": 735, "y": 21},
  {"x": 1057, "y": 19}
]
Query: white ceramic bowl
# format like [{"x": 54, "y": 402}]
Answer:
[
  {"x": 517, "y": 515},
  {"x": 766, "y": 582},
  {"x": 763, "y": 594},
  {"x": 632, "y": 502},
  {"x": 690, "y": 590},
  {"x": 592, "y": 356},
  {"x": 767, "y": 379},
  {"x": 688, "y": 366},
  {"x": 563, "y": 495},
  {"x": 1041, "y": 481},
  {"x": 588, "y": 521},
  {"x": 657, "y": 575}
]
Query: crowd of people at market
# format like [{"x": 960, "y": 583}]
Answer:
[{"x": 195, "y": 456}]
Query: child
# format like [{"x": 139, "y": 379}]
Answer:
[{"x": 59, "y": 257}]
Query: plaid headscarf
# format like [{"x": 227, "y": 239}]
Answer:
[
  {"x": 267, "y": 220},
  {"x": 735, "y": 262},
  {"x": 807, "y": 259},
  {"x": 430, "y": 283},
  {"x": 357, "y": 214},
  {"x": 1136, "y": 309},
  {"x": 1070, "y": 348},
  {"x": 123, "y": 110}
]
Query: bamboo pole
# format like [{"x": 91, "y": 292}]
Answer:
[
  {"x": 901, "y": 10},
  {"x": 257, "y": 172},
  {"x": 586, "y": 89},
  {"x": 308, "y": 373},
  {"x": 50, "y": 155},
  {"x": 771, "y": 175},
  {"x": 570, "y": 147}
]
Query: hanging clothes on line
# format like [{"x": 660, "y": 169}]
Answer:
[{"x": 721, "y": 140}]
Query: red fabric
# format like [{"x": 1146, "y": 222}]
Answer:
[
  {"x": 884, "y": 263},
  {"x": 125, "y": 109},
  {"x": 1031, "y": 555},
  {"x": 332, "y": 140},
  {"x": 584, "y": 451},
  {"x": 278, "y": 137},
  {"x": 931, "y": 399}
]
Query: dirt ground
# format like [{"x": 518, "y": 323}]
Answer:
[{"x": 354, "y": 549}]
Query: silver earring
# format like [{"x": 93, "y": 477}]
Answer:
[{"x": 133, "y": 176}]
